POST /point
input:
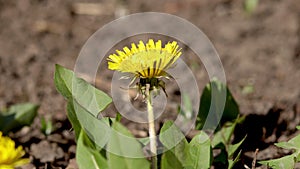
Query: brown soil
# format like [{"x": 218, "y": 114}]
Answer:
[{"x": 260, "y": 50}]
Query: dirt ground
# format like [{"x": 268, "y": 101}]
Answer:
[{"x": 260, "y": 51}]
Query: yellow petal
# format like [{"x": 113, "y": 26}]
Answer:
[{"x": 145, "y": 60}]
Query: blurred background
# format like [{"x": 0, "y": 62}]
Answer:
[{"x": 259, "y": 46}]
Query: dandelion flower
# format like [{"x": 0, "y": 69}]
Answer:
[
  {"x": 10, "y": 157},
  {"x": 147, "y": 62}
]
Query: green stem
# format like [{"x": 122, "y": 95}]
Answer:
[{"x": 152, "y": 134}]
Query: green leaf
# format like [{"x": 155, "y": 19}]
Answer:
[
  {"x": 71, "y": 87},
  {"x": 98, "y": 130},
  {"x": 170, "y": 135},
  {"x": 223, "y": 135},
  {"x": 17, "y": 116},
  {"x": 46, "y": 126},
  {"x": 86, "y": 154},
  {"x": 232, "y": 148},
  {"x": 286, "y": 162},
  {"x": 222, "y": 158},
  {"x": 124, "y": 151},
  {"x": 293, "y": 143},
  {"x": 169, "y": 160},
  {"x": 144, "y": 141},
  {"x": 173, "y": 139},
  {"x": 118, "y": 117},
  {"x": 298, "y": 127},
  {"x": 200, "y": 152},
  {"x": 73, "y": 118},
  {"x": 211, "y": 104},
  {"x": 231, "y": 163},
  {"x": 187, "y": 109},
  {"x": 84, "y": 104},
  {"x": 222, "y": 141}
]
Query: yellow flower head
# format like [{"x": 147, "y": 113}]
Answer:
[
  {"x": 10, "y": 157},
  {"x": 148, "y": 62},
  {"x": 145, "y": 61}
]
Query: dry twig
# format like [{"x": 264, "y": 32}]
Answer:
[{"x": 254, "y": 159}]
